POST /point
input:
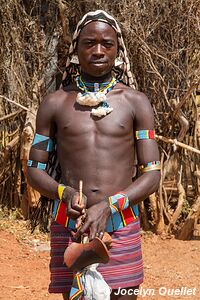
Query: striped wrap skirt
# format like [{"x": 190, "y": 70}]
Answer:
[{"x": 124, "y": 269}]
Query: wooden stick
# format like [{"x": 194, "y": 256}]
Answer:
[
  {"x": 185, "y": 97},
  {"x": 85, "y": 238},
  {"x": 16, "y": 103},
  {"x": 177, "y": 143},
  {"x": 80, "y": 192},
  {"x": 79, "y": 219},
  {"x": 11, "y": 115}
]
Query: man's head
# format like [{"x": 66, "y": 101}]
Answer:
[
  {"x": 100, "y": 21},
  {"x": 97, "y": 48}
]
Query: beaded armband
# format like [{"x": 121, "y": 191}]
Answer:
[
  {"x": 61, "y": 188},
  {"x": 118, "y": 202},
  {"x": 150, "y": 166},
  {"x": 36, "y": 164},
  {"x": 145, "y": 134},
  {"x": 42, "y": 142}
]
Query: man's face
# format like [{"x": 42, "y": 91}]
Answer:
[{"x": 97, "y": 48}]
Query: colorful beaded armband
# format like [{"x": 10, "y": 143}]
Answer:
[
  {"x": 118, "y": 202},
  {"x": 42, "y": 142},
  {"x": 36, "y": 164},
  {"x": 61, "y": 188},
  {"x": 150, "y": 166},
  {"x": 145, "y": 134}
]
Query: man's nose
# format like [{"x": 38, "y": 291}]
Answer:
[{"x": 98, "y": 50}]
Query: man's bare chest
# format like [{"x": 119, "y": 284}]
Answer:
[{"x": 76, "y": 120}]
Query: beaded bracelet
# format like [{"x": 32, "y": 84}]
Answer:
[
  {"x": 118, "y": 202},
  {"x": 150, "y": 166},
  {"x": 61, "y": 188},
  {"x": 36, "y": 164}
]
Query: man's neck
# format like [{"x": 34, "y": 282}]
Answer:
[{"x": 88, "y": 78}]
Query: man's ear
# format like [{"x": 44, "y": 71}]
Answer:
[
  {"x": 118, "y": 61},
  {"x": 74, "y": 59}
]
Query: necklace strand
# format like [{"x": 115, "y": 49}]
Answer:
[
  {"x": 83, "y": 85},
  {"x": 95, "y": 98},
  {"x": 87, "y": 85}
]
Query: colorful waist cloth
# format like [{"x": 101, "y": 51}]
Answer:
[
  {"x": 124, "y": 269},
  {"x": 116, "y": 221}
]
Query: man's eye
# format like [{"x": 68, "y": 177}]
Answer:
[
  {"x": 108, "y": 45},
  {"x": 89, "y": 43}
]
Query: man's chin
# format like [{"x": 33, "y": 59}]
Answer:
[
  {"x": 97, "y": 70},
  {"x": 98, "y": 73}
]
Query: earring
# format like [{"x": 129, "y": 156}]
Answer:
[
  {"x": 118, "y": 62},
  {"x": 74, "y": 59}
]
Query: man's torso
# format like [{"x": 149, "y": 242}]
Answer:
[{"x": 99, "y": 151}]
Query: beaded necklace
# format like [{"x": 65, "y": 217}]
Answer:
[{"x": 95, "y": 97}]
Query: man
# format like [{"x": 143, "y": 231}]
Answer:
[{"x": 98, "y": 122}]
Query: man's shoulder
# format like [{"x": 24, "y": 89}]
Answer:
[
  {"x": 133, "y": 95},
  {"x": 53, "y": 102},
  {"x": 58, "y": 96}
]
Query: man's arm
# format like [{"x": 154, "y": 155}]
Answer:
[
  {"x": 37, "y": 177},
  {"x": 147, "y": 152},
  {"x": 45, "y": 126}
]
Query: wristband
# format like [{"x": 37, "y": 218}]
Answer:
[
  {"x": 61, "y": 188},
  {"x": 118, "y": 202}
]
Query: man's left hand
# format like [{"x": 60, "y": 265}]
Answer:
[{"x": 96, "y": 219}]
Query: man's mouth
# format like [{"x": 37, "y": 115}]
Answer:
[{"x": 98, "y": 62}]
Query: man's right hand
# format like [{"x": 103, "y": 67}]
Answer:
[{"x": 72, "y": 199}]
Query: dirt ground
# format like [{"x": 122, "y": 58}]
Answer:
[{"x": 172, "y": 267}]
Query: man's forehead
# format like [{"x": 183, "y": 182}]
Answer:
[{"x": 98, "y": 26}]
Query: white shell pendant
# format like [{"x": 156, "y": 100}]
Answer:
[
  {"x": 101, "y": 111},
  {"x": 91, "y": 99}
]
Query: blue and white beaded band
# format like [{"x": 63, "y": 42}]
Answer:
[
  {"x": 36, "y": 164},
  {"x": 118, "y": 202},
  {"x": 42, "y": 142}
]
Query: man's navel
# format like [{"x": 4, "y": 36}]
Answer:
[{"x": 95, "y": 190}]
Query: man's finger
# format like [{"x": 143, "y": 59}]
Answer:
[
  {"x": 73, "y": 213},
  {"x": 101, "y": 234},
  {"x": 75, "y": 202},
  {"x": 78, "y": 207},
  {"x": 83, "y": 229},
  {"x": 93, "y": 231},
  {"x": 79, "y": 222}
]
